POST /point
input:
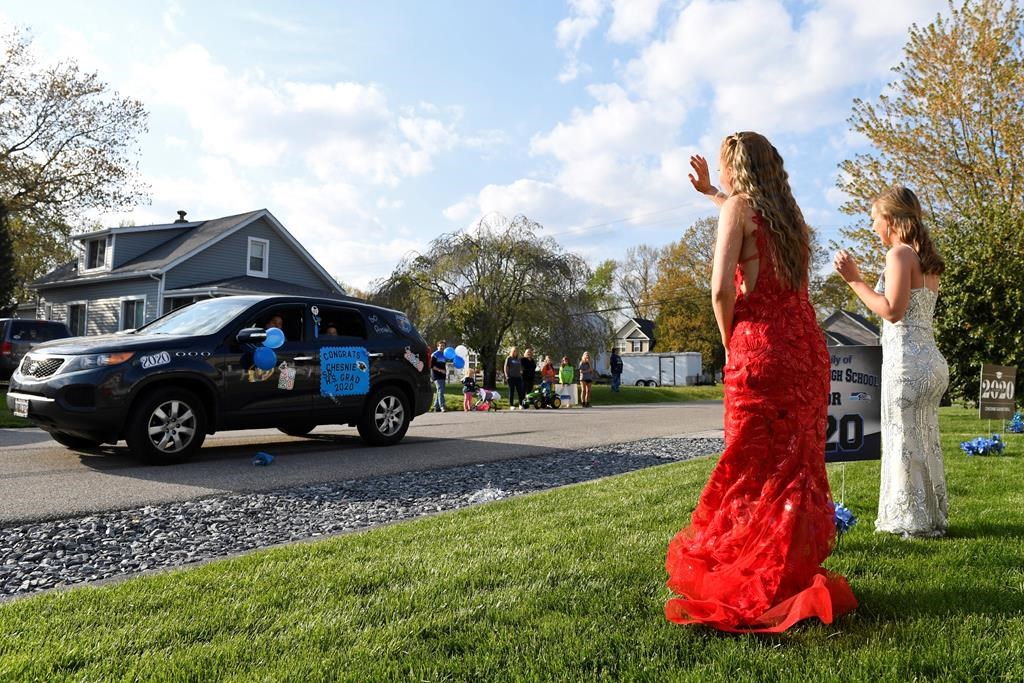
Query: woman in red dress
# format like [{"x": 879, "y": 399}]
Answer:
[{"x": 751, "y": 558}]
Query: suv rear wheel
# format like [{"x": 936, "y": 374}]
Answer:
[
  {"x": 167, "y": 426},
  {"x": 386, "y": 418},
  {"x": 72, "y": 441}
]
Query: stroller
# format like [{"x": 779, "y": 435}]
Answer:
[{"x": 543, "y": 397}]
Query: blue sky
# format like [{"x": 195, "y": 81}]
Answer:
[{"x": 369, "y": 128}]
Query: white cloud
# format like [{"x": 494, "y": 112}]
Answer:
[
  {"x": 572, "y": 31},
  {"x": 170, "y": 17},
  {"x": 633, "y": 20},
  {"x": 330, "y": 221},
  {"x": 341, "y": 128}
]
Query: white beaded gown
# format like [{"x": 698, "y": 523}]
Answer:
[{"x": 912, "y": 499}]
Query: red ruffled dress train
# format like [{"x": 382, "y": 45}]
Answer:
[{"x": 750, "y": 561}]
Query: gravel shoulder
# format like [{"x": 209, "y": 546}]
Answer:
[{"x": 42, "y": 556}]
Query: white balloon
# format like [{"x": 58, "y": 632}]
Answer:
[{"x": 461, "y": 350}]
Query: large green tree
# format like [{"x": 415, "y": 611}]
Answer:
[
  {"x": 951, "y": 127},
  {"x": 67, "y": 147},
  {"x": 686, "y": 320},
  {"x": 496, "y": 284}
]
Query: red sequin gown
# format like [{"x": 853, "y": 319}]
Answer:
[{"x": 751, "y": 558}]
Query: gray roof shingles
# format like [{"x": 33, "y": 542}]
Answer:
[{"x": 158, "y": 257}]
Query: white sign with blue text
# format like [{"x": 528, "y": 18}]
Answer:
[{"x": 854, "y": 404}]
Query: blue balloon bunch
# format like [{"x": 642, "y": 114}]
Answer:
[
  {"x": 1016, "y": 424},
  {"x": 983, "y": 446},
  {"x": 264, "y": 357},
  {"x": 844, "y": 519}
]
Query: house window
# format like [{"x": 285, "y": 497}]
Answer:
[
  {"x": 620, "y": 346},
  {"x": 49, "y": 311},
  {"x": 259, "y": 253},
  {"x": 637, "y": 346},
  {"x": 133, "y": 314},
  {"x": 95, "y": 254},
  {"x": 176, "y": 302},
  {"x": 76, "y": 319}
]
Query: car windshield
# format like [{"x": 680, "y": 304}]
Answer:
[{"x": 202, "y": 317}]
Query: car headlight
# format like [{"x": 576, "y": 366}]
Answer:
[{"x": 98, "y": 360}]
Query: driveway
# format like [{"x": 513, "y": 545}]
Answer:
[{"x": 40, "y": 479}]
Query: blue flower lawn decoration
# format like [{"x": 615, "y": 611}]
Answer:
[
  {"x": 844, "y": 518},
  {"x": 983, "y": 446},
  {"x": 1016, "y": 424}
]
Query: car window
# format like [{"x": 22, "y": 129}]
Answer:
[
  {"x": 3, "y": 329},
  {"x": 289, "y": 318},
  {"x": 36, "y": 331},
  {"x": 338, "y": 322}
]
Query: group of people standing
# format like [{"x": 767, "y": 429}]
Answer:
[
  {"x": 750, "y": 560},
  {"x": 521, "y": 375}
]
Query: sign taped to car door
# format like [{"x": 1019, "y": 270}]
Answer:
[{"x": 344, "y": 371}]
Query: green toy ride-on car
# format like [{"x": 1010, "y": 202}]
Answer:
[{"x": 543, "y": 397}]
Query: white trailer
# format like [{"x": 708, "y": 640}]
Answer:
[{"x": 670, "y": 369}]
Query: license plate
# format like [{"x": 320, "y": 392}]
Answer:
[{"x": 21, "y": 407}]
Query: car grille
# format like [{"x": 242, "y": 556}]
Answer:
[{"x": 40, "y": 367}]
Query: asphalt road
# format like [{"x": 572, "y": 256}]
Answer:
[{"x": 39, "y": 479}]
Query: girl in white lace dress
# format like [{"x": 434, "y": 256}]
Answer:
[{"x": 912, "y": 499}]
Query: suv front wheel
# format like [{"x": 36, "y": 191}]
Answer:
[
  {"x": 167, "y": 426},
  {"x": 386, "y": 418}
]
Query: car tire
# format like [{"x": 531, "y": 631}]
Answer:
[
  {"x": 297, "y": 430},
  {"x": 385, "y": 418},
  {"x": 167, "y": 426},
  {"x": 74, "y": 442}
]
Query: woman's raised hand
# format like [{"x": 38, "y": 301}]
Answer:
[
  {"x": 846, "y": 266},
  {"x": 702, "y": 182}
]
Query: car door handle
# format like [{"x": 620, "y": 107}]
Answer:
[
  {"x": 304, "y": 358},
  {"x": 375, "y": 355}
]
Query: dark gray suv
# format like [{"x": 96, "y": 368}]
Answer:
[{"x": 18, "y": 336}]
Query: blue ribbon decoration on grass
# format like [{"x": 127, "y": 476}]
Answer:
[
  {"x": 983, "y": 446},
  {"x": 844, "y": 518}
]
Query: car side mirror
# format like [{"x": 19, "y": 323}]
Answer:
[{"x": 251, "y": 335}]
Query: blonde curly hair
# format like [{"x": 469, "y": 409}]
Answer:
[{"x": 759, "y": 176}]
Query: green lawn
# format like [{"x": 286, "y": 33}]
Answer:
[
  {"x": 602, "y": 395},
  {"x": 562, "y": 585},
  {"x": 6, "y": 419}
]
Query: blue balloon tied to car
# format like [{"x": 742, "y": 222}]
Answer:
[
  {"x": 264, "y": 358},
  {"x": 275, "y": 338}
]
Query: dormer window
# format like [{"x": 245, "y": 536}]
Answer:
[
  {"x": 258, "y": 258},
  {"x": 95, "y": 254}
]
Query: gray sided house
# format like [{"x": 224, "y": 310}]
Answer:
[
  {"x": 635, "y": 336},
  {"x": 126, "y": 277}
]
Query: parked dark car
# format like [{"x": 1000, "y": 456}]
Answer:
[
  {"x": 18, "y": 336},
  {"x": 197, "y": 370}
]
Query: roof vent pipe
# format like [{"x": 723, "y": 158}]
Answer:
[{"x": 181, "y": 217}]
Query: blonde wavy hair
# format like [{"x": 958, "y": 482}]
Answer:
[
  {"x": 759, "y": 176},
  {"x": 902, "y": 211}
]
